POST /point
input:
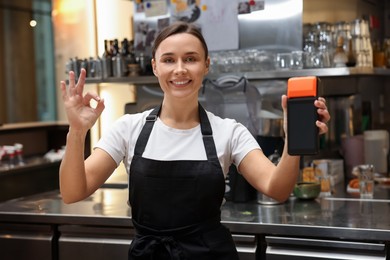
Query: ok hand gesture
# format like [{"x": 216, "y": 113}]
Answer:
[{"x": 81, "y": 115}]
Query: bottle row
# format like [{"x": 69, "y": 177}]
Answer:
[
  {"x": 11, "y": 156},
  {"x": 119, "y": 59}
]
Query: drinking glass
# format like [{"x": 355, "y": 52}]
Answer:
[
  {"x": 322, "y": 173},
  {"x": 366, "y": 180},
  {"x": 283, "y": 61}
]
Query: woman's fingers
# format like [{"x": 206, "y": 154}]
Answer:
[
  {"x": 72, "y": 84},
  {"x": 99, "y": 102},
  {"x": 323, "y": 115},
  {"x": 80, "y": 82},
  {"x": 322, "y": 109},
  {"x": 63, "y": 90},
  {"x": 73, "y": 87},
  {"x": 322, "y": 126},
  {"x": 90, "y": 96}
]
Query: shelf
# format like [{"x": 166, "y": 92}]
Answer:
[
  {"x": 129, "y": 80},
  {"x": 253, "y": 75},
  {"x": 327, "y": 72},
  {"x": 12, "y": 127}
]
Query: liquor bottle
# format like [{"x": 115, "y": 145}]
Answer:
[
  {"x": 106, "y": 60},
  {"x": 340, "y": 58},
  {"x": 125, "y": 54},
  {"x": 117, "y": 67},
  {"x": 351, "y": 55}
]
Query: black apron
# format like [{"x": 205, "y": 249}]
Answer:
[{"x": 176, "y": 204}]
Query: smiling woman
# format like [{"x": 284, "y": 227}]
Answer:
[{"x": 27, "y": 91}]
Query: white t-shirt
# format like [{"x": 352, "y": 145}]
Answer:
[{"x": 232, "y": 140}]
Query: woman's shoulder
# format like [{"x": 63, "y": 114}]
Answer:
[
  {"x": 221, "y": 122},
  {"x": 132, "y": 119}
]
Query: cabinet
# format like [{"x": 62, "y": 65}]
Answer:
[
  {"x": 290, "y": 248},
  {"x": 37, "y": 175},
  {"x": 27, "y": 241},
  {"x": 87, "y": 242}
]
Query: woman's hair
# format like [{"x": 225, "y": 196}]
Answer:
[{"x": 176, "y": 28}]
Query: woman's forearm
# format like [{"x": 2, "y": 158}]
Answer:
[
  {"x": 73, "y": 181},
  {"x": 286, "y": 174}
]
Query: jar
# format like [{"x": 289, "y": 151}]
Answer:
[{"x": 386, "y": 49}]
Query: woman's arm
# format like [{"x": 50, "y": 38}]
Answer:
[
  {"x": 278, "y": 181},
  {"x": 79, "y": 178}
]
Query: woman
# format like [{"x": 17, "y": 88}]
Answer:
[{"x": 177, "y": 156}]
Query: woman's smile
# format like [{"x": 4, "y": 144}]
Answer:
[{"x": 181, "y": 83}]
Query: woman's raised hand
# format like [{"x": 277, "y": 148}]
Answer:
[
  {"x": 322, "y": 111},
  {"x": 81, "y": 115}
]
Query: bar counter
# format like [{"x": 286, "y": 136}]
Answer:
[{"x": 343, "y": 216}]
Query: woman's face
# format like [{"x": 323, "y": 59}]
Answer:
[{"x": 180, "y": 65}]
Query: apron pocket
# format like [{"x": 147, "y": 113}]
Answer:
[{"x": 176, "y": 197}]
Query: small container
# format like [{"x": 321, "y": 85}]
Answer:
[
  {"x": 134, "y": 69},
  {"x": 307, "y": 190}
]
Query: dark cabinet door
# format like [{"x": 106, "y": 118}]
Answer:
[
  {"x": 20, "y": 242},
  {"x": 246, "y": 245},
  {"x": 293, "y": 248},
  {"x": 101, "y": 243},
  {"x": 82, "y": 243}
]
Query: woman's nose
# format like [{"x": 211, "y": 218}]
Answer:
[{"x": 180, "y": 67}]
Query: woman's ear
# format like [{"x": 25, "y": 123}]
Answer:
[
  {"x": 207, "y": 65},
  {"x": 154, "y": 67}
]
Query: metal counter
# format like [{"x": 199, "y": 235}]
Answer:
[
  {"x": 333, "y": 217},
  {"x": 100, "y": 227}
]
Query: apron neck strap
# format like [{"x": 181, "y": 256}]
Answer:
[{"x": 146, "y": 130}]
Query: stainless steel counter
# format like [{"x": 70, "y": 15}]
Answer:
[{"x": 342, "y": 216}]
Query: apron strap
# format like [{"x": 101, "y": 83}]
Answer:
[
  {"x": 207, "y": 133},
  {"x": 146, "y": 130}
]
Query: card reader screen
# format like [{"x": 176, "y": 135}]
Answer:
[{"x": 301, "y": 127}]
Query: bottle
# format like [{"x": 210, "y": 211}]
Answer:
[
  {"x": 386, "y": 48},
  {"x": 116, "y": 60},
  {"x": 340, "y": 58},
  {"x": 19, "y": 160},
  {"x": 351, "y": 55},
  {"x": 10, "y": 151},
  {"x": 275, "y": 157},
  {"x": 2, "y": 153},
  {"x": 126, "y": 57},
  {"x": 379, "y": 59},
  {"x": 141, "y": 62},
  {"x": 106, "y": 61}
]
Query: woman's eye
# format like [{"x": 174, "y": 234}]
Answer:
[
  {"x": 168, "y": 60},
  {"x": 190, "y": 59}
]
